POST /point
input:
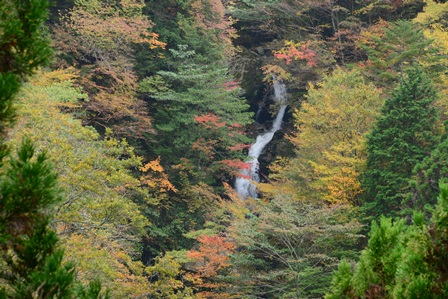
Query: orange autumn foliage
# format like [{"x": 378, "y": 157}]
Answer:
[
  {"x": 102, "y": 40},
  {"x": 211, "y": 258},
  {"x": 236, "y": 164},
  {"x": 209, "y": 120},
  {"x": 296, "y": 52},
  {"x": 211, "y": 16},
  {"x": 155, "y": 177}
]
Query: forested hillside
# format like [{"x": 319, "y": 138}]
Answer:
[{"x": 223, "y": 149}]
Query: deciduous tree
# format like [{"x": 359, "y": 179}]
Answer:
[
  {"x": 98, "y": 219},
  {"x": 103, "y": 37},
  {"x": 330, "y": 140},
  {"x": 211, "y": 259},
  {"x": 433, "y": 18},
  {"x": 288, "y": 249}
]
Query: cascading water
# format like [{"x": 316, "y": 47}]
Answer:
[{"x": 244, "y": 185}]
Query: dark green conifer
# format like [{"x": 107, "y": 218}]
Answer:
[
  {"x": 432, "y": 171},
  {"x": 400, "y": 262},
  {"x": 196, "y": 90},
  {"x": 402, "y": 46},
  {"x": 404, "y": 135}
]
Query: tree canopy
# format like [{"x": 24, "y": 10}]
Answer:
[{"x": 125, "y": 124}]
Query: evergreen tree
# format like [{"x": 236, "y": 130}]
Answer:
[
  {"x": 428, "y": 174},
  {"x": 397, "y": 47},
  {"x": 374, "y": 274},
  {"x": 399, "y": 261},
  {"x": 29, "y": 256},
  {"x": 22, "y": 49},
  {"x": 404, "y": 135},
  {"x": 200, "y": 116},
  {"x": 196, "y": 105}
]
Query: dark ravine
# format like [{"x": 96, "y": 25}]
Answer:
[{"x": 244, "y": 185}]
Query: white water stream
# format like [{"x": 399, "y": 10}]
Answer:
[{"x": 243, "y": 185}]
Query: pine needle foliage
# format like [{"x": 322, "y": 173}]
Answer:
[
  {"x": 400, "y": 261},
  {"x": 428, "y": 174},
  {"x": 399, "y": 46},
  {"x": 403, "y": 136}
]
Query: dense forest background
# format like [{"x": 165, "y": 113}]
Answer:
[{"x": 134, "y": 118}]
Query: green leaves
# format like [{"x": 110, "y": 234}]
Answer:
[
  {"x": 33, "y": 260},
  {"x": 23, "y": 48},
  {"x": 291, "y": 247},
  {"x": 39, "y": 270},
  {"x": 428, "y": 174}
]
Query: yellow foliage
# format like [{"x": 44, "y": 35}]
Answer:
[
  {"x": 343, "y": 187},
  {"x": 157, "y": 179},
  {"x": 377, "y": 30},
  {"x": 99, "y": 223},
  {"x": 278, "y": 71},
  {"x": 168, "y": 279},
  {"x": 440, "y": 37},
  {"x": 434, "y": 17},
  {"x": 99, "y": 258},
  {"x": 432, "y": 13},
  {"x": 153, "y": 166},
  {"x": 45, "y": 78},
  {"x": 330, "y": 141},
  {"x": 236, "y": 206}
]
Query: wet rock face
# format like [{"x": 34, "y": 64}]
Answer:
[{"x": 243, "y": 184}]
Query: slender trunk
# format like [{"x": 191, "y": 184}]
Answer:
[{"x": 335, "y": 24}]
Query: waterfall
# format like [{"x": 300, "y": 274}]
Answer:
[{"x": 244, "y": 185}]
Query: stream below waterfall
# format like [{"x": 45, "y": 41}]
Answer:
[{"x": 244, "y": 184}]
